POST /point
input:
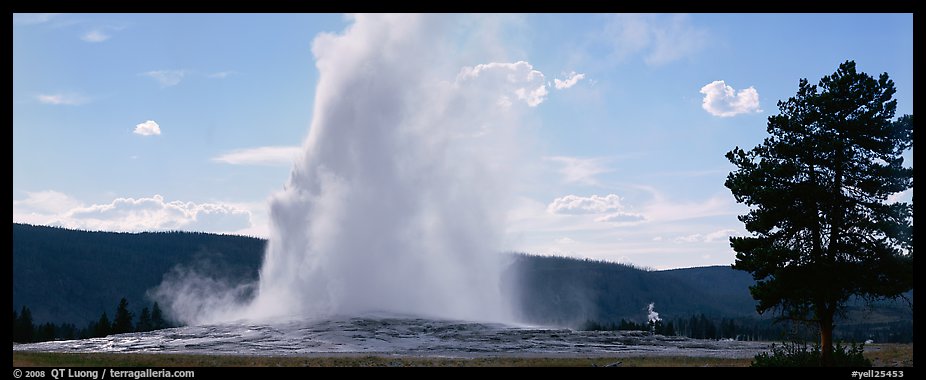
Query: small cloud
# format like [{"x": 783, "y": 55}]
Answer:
[
  {"x": 62, "y": 99},
  {"x": 221, "y": 74},
  {"x": 265, "y": 155},
  {"x": 580, "y": 170},
  {"x": 570, "y": 81},
  {"x": 166, "y": 78},
  {"x": 148, "y": 128},
  {"x": 722, "y": 100},
  {"x": 95, "y": 35}
]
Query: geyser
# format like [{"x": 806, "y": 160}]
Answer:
[{"x": 397, "y": 202}]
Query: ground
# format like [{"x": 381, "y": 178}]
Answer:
[{"x": 881, "y": 355}]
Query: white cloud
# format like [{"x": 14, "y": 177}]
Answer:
[
  {"x": 722, "y": 100},
  {"x": 659, "y": 39},
  {"x": 221, "y": 74},
  {"x": 648, "y": 242},
  {"x": 148, "y": 128},
  {"x": 68, "y": 99},
  {"x": 595, "y": 204},
  {"x": 570, "y": 81},
  {"x": 517, "y": 78},
  {"x": 130, "y": 214},
  {"x": 95, "y": 35},
  {"x": 166, "y": 78},
  {"x": 580, "y": 170},
  {"x": 609, "y": 208},
  {"x": 265, "y": 155}
]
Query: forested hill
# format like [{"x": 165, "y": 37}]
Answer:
[
  {"x": 569, "y": 291},
  {"x": 68, "y": 276}
]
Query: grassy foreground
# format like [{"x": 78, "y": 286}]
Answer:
[{"x": 880, "y": 355}]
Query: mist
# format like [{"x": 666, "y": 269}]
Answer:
[{"x": 397, "y": 202}]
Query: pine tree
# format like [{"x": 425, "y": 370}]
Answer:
[
  {"x": 122, "y": 322},
  {"x": 157, "y": 318},
  {"x": 144, "y": 321},
  {"x": 103, "y": 327},
  {"x": 25, "y": 326},
  {"x": 15, "y": 325},
  {"x": 823, "y": 228},
  {"x": 46, "y": 332}
]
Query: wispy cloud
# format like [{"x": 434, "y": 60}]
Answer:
[
  {"x": 166, "y": 78},
  {"x": 67, "y": 99},
  {"x": 659, "y": 39},
  {"x": 265, "y": 155},
  {"x": 221, "y": 74},
  {"x": 45, "y": 202},
  {"x": 722, "y": 100},
  {"x": 719, "y": 235},
  {"x": 580, "y": 170},
  {"x": 33, "y": 18},
  {"x": 148, "y": 128},
  {"x": 661, "y": 209},
  {"x": 570, "y": 81}
]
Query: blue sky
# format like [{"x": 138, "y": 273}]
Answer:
[{"x": 133, "y": 122}]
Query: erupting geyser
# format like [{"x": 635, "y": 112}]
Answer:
[{"x": 396, "y": 204}]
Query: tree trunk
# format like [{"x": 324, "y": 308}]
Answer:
[{"x": 826, "y": 338}]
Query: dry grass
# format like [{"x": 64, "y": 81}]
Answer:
[{"x": 890, "y": 354}]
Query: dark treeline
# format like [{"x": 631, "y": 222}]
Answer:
[
  {"x": 26, "y": 330},
  {"x": 702, "y": 327},
  {"x": 758, "y": 329}
]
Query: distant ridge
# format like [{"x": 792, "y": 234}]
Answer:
[{"x": 71, "y": 276}]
